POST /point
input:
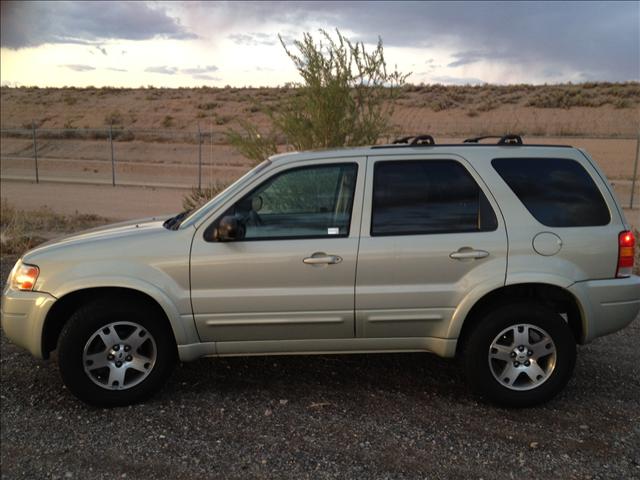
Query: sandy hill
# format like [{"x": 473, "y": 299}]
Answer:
[{"x": 588, "y": 109}]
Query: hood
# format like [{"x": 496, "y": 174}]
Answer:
[{"x": 124, "y": 229}]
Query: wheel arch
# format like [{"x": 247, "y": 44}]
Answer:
[
  {"x": 554, "y": 296},
  {"x": 65, "y": 305}
]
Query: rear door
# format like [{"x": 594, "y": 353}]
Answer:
[{"x": 431, "y": 231}]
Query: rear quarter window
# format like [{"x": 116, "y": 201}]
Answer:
[{"x": 558, "y": 192}]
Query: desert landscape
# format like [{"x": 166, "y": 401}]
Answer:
[{"x": 155, "y": 134}]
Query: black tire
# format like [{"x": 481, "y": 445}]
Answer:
[
  {"x": 480, "y": 369},
  {"x": 86, "y": 322}
]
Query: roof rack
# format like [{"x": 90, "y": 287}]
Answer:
[
  {"x": 415, "y": 140},
  {"x": 504, "y": 139}
]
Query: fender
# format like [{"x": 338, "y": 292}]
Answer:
[
  {"x": 478, "y": 293},
  {"x": 182, "y": 325}
]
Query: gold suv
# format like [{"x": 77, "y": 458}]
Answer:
[{"x": 507, "y": 254}]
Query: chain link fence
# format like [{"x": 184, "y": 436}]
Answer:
[{"x": 198, "y": 158}]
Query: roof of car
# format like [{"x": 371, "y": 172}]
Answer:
[{"x": 412, "y": 148}]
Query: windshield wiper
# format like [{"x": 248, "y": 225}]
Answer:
[{"x": 173, "y": 223}]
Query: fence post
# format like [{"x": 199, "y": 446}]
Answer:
[
  {"x": 35, "y": 150},
  {"x": 199, "y": 159},
  {"x": 635, "y": 171},
  {"x": 113, "y": 160}
]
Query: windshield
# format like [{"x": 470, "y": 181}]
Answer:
[{"x": 195, "y": 216}]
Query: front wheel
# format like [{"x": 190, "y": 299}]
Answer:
[
  {"x": 520, "y": 355},
  {"x": 113, "y": 354}
]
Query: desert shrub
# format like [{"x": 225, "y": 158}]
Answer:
[
  {"x": 198, "y": 197},
  {"x": 222, "y": 119},
  {"x": 69, "y": 100},
  {"x": 114, "y": 118},
  {"x": 251, "y": 143},
  {"x": 472, "y": 113},
  {"x": 440, "y": 104},
  {"x": 167, "y": 121},
  {"x": 346, "y": 96},
  {"x": 208, "y": 105},
  {"x": 123, "y": 135},
  {"x": 21, "y": 231},
  {"x": 488, "y": 106},
  {"x": 510, "y": 99},
  {"x": 622, "y": 103}
]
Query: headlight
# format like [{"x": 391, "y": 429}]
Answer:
[{"x": 24, "y": 276}]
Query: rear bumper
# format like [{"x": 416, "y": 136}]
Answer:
[
  {"x": 607, "y": 305},
  {"x": 23, "y": 315}
]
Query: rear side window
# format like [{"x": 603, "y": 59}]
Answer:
[
  {"x": 558, "y": 192},
  {"x": 427, "y": 196}
]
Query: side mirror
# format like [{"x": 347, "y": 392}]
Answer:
[{"x": 228, "y": 230}]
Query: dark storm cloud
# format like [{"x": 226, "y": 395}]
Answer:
[
  {"x": 596, "y": 38},
  {"x": 29, "y": 24},
  {"x": 466, "y": 58},
  {"x": 78, "y": 68}
]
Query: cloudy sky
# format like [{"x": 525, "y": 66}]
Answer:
[{"x": 218, "y": 43}]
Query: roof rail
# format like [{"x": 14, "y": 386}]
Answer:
[
  {"x": 415, "y": 140},
  {"x": 509, "y": 139}
]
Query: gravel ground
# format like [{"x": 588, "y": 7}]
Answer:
[{"x": 366, "y": 416}]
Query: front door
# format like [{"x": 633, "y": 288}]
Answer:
[
  {"x": 430, "y": 233},
  {"x": 292, "y": 274}
]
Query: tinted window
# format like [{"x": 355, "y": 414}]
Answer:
[
  {"x": 558, "y": 192},
  {"x": 299, "y": 203},
  {"x": 421, "y": 197}
]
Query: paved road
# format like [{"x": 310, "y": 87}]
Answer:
[{"x": 367, "y": 416}]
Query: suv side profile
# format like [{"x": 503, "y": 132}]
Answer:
[{"x": 506, "y": 254}]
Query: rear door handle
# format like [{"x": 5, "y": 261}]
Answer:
[
  {"x": 469, "y": 254},
  {"x": 321, "y": 258}
]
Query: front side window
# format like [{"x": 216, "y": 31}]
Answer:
[
  {"x": 558, "y": 192},
  {"x": 307, "y": 202},
  {"x": 427, "y": 196}
]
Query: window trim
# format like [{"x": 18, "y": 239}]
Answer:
[
  {"x": 207, "y": 231},
  {"x": 419, "y": 232},
  {"x": 535, "y": 217}
]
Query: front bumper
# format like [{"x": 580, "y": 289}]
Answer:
[
  {"x": 22, "y": 317},
  {"x": 607, "y": 305}
]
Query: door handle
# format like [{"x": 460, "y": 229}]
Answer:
[
  {"x": 321, "y": 258},
  {"x": 466, "y": 253}
]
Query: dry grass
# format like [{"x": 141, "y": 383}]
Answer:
[
  {"x": 197, "y": 198},
  {"x": 21, "y": 230},
  {"x": 596, "y": 108}
]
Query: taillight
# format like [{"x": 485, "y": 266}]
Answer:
[{"x": 626, "y": 246}]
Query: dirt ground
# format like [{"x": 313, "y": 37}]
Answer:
[
  {"x": 391, "y": 416},
  {"x": 177, "y": 163},
  {"x": 589, "y": 109},
  {"x": 119, "y": 203}
]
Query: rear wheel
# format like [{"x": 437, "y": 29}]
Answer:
[
  {"x": 520, "y": 355},
  {"x": 114, "y": 354}
]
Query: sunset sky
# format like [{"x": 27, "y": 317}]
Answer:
[{"x": 174, "y": 44}]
